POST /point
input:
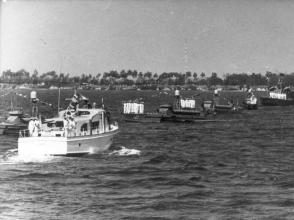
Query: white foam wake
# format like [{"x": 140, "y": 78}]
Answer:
[
  {"x": 125, "y": 152},
  {"x": 11, "y": 157}
]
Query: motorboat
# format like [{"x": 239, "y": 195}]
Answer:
[
  {"x": 15, "y": 122},
  {"x": 74, "y": 132}
]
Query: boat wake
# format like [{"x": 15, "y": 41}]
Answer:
[
  {"x": 11, "y": 156},
  {"x": 125, "y": 152}
]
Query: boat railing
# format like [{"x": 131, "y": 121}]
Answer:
[
  {"x": 64, "y": 133},
  {"x": 24, "y": 133}
]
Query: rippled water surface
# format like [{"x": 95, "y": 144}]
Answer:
[{"x": 239, "y": 168}]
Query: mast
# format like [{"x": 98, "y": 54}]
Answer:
[
  {"x": 60, "y": 81},
  {"x": 58, "y": 104},
  {"x": 281, "y": 82},
  {"x": 11, "y": 103}
]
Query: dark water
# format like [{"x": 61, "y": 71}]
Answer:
[{"x": 242, "y": 168}]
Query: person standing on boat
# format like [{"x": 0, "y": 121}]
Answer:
[
  {"x": 72, "y": 126},
  {"x": 73, "y": 105},
  {"x": 37, "y": 127},
  {"x": 31, "y": 127},
  {"x": 65, "y": 126},
  {"x": 34, "y": 127}
]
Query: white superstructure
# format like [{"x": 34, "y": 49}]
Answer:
[
  {"x": 133, "y": 107},
  {"x": 277, "y": 95},
  {"x": 188, "y": 103}
]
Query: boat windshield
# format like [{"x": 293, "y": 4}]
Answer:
[
  {"x": 55, "y": 124},
  {"x": 82, "y": 113}
]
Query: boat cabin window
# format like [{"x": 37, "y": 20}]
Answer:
[
  {"x": 95, "y": 125},
  {"x": 84, "y": 127},
  {"x": 83, "y": 113},
  {"x": 56, "y": 124}
]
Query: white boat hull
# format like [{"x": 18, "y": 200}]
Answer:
[{"x": 65, "y": 146}]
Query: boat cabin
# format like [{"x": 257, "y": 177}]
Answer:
[{"x": 82, "y": 122}]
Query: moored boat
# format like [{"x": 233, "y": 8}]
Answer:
[
  {"x": 183, "y": 110},
  {"x": 170, "y": 114},
  {"x": 250, "y": 102},
  {"x": 75, "y": 131},
  {"x": 229, "y": 108},
  {"x": 278, "y": 95},
  {"x": 133, "y": 111},
  {"x": 221, "y": 105}
]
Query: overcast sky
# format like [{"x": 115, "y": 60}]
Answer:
[{"x": 158, "y": 35}]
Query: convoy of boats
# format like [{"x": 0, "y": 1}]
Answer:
[
  {"x": 81, "y": 129},
  {"x": 188, "y": 110},
  {"x": 181, "y": 110}
]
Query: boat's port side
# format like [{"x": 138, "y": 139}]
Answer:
[
  {"x": 65, "y": 145},
  {"x": 91, "y": 144}
]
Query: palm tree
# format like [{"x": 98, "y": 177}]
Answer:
[{"x": 195, "y": 77}]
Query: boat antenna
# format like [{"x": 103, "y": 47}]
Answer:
[
  {"x": 102, "y": 103},
  {"x": 58, "y": 104},
  {"x": 60, "y": 81},
  {"x": 11, "y": 104}
]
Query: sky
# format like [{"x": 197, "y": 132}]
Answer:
[{"x": 91, "y": 37}]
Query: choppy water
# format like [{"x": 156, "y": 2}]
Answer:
[{"x": 242, "y": 168}]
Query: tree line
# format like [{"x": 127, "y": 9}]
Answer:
[{"x": 133, "y": 77}]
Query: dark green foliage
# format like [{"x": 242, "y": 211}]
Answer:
[{"x": 133, "y": 77}]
